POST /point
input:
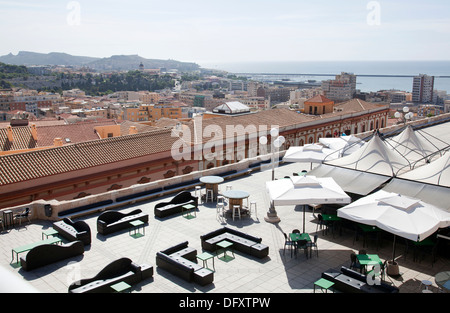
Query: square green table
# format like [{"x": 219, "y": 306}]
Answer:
[
  {"x": 121, "y": 287},
  {"x": 205, "y": 256},
  {"x": 189, "y": 208},
  {"x": 225, "y": 246},
  {"x": 136, "y": 225},
  {"x": 368, "y": 259},
  {"x": 49, "y": 232},
  {"x": 297, "y": 236},
  {"x": 303, "y": 236},
  {"x": 28, "y": 247},
  {"x": 324, "y": 284}
]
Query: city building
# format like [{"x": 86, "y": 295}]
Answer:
[
  {"x": 342, "y": 88},
  {"x": 275, "y": 94},
  {"x": 32, "y": 100},
  {"x": 318, "y": 105},
  {"x": 75, "y": 170},
  {"x": 422, "y": 91}
]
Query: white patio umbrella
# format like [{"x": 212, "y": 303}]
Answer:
[
  {"x": 310, "y": 153},
  {"x": 397, "y": 214},
  {"x": 304, "y": 190},
  {"x": 344, "y": 145}
]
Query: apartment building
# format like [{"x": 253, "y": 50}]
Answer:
[
  {"x": 342, "y": 88},
  {"x": 422, "y": 91},
  {"x": 24, "y": 100}
]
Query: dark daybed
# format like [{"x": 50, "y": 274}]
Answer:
[
  {"x": 72, "y": 231},
  {"x": 47, "y": 254},
  {"x": 175, "y": 205},
  {"x": 348, "y": 280},
  {"x": 241, "y": 242},
  {"x": 181, "y": 261},
  {"x": 111, "y": 221},
  {"x": 121, "y": 270}
]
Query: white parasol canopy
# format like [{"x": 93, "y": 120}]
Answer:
[
  {"x": 304, "y": 190},
  {"x": 310, "y": 153},
  {"x": 344, "y": 145},
  {"x": 397, "y": 214}
]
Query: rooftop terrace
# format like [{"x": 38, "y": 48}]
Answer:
[{"x": 277, "y": 273}]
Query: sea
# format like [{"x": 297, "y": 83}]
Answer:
[{"x": 398, "y": 74}]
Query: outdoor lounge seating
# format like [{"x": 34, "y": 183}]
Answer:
[
  {"x": 241, "y": 242},
  {"x": 72, "y": 231},
  {"x": 111, "y": 221},
  {"x": 47, "y": 254},
  {"x": 121, "y": 270},
  {"x": 181, "y": 261},
  {"x": 175, "y": 206},
  {"x": 348, "y": 280}
]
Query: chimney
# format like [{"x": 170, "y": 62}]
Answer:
[
  {"x": 34, "y": 131},
  {"x": 10, "y": 133},
  {"x": 58, "y": 142},
  {"x": 133, "y": 130}
]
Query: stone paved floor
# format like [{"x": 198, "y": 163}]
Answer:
[{"x": 277, "y": 273}]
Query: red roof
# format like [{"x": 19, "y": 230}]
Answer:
[{"x": 319, "y": 99}]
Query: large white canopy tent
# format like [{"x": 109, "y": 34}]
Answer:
[
  {"x": 352, "y": 181},
  {"x": 412, "y": 145},
  {"x": 374, "y": 157},
  {"x": 430, "y": 182},
  {"x": 437, "y": 172}
]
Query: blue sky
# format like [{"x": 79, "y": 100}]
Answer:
[{"x": 230, "y": 31}]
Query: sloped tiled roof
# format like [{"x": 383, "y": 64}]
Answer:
[
  {"x": 319, "y": 99},
  {"x": 357, "y": 105},
  {"x": 76, "y": 133},
  {"x": 41, "y": 163},
  {"x": 125, "y": 127},
  {"x": 22, "y": 139},
  {"x": 261, "y": 120}
]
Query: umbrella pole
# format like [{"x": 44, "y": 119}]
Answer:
[
  {"x": 392, "y": 267},
  {"x": 393, "y": 249},
  {"x": 304, "y": 218}
]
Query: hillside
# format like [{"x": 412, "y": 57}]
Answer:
[
  {"x": 54, "y": 58},
  {"x": 113, "y": 63}
]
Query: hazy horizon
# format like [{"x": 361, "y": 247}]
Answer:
[{"x": 208, "y": 32}]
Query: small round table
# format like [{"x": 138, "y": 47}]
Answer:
[
  {"x": 212, "y": 182},
  {"x": 235, "y": 197},
  {"x": 443, "y": 280}
]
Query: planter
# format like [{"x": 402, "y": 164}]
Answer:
[{"x": 393, "y": 268}]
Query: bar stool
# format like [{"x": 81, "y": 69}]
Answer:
[
  {"x": 236, "y": 209},
  {"x": 220, "y": 207},
  {"x": 198, "y": 191},
  {"x": 252, "y": 203},
  {"x": 209, "y": 193},
  {"x": 426, "y": 283}
]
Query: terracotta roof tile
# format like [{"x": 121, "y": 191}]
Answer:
[
  {"x": 41, "y": 163},
  {"x": 22, "y": 139},
  {"x": 76, "y": 133},
  {"x": 318, "y": 99}
]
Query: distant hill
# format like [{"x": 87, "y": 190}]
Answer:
[
  {"x": 113, "y": 63},
  {"x": 54, "y": 58}
]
